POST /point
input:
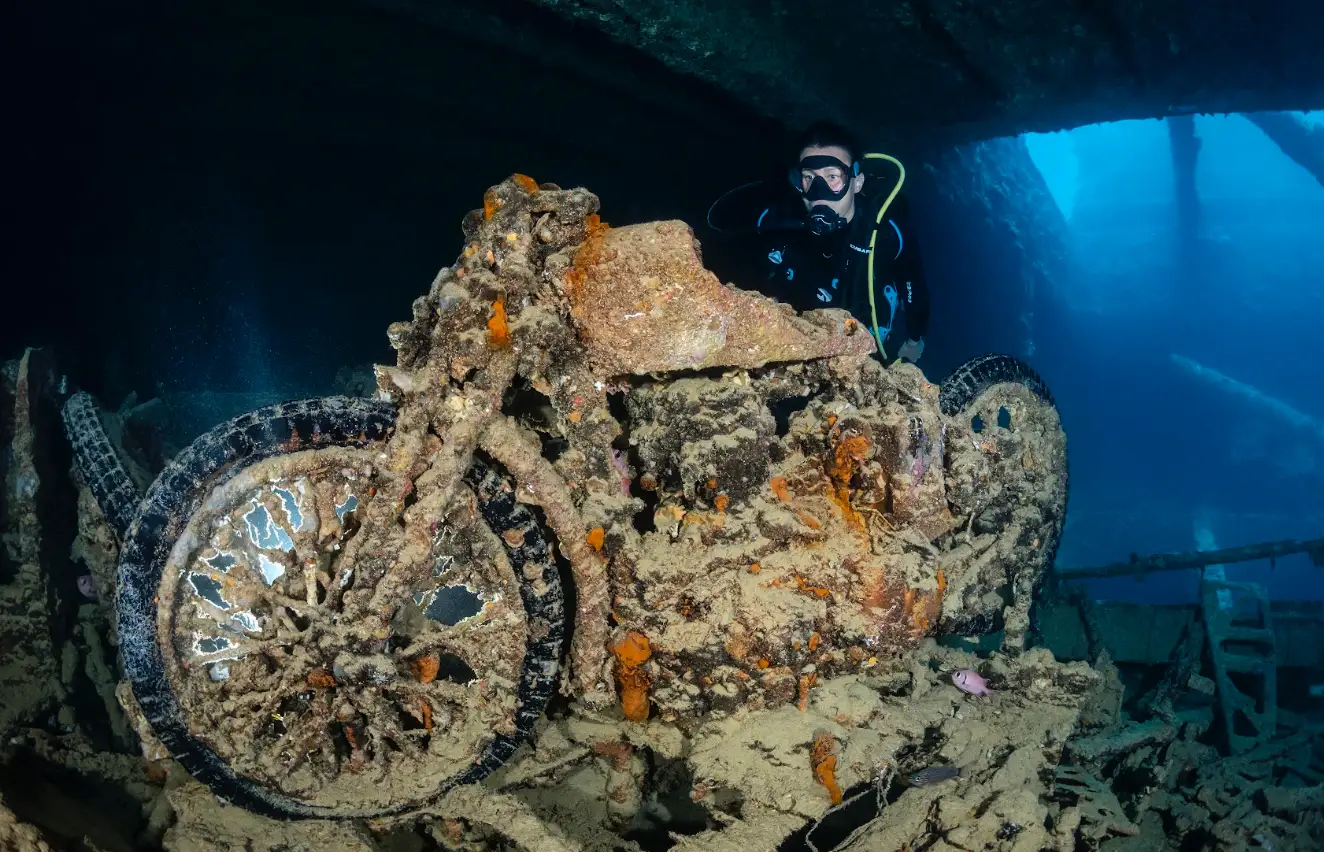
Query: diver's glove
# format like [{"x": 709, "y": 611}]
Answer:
[{"x": 911, "y": 350}]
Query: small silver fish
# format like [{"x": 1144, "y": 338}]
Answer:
[{"x": 933, "y": 775}]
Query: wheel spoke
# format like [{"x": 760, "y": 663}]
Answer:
[
  {"x": 250, "y": 634},
  {"x": 354, "y": 690}
]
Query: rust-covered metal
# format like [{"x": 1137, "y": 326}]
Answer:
[
  {"x": 746, "y": 502},
  {"x": 644, "y": 303}
]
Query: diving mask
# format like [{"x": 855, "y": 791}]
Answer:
[
  {"x": 818, "y": 188},
  {"x": 822, "y": 219}
]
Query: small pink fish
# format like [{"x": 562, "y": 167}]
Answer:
[
  {"x": 87, "y": 587},
  {"x": 970, "y": 682}
]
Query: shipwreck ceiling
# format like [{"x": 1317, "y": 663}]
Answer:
[
  {"x": 968, "y": 69},
  {"x": 407, "y": 74}
]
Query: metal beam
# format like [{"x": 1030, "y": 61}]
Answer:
[
  {"x": 1298, "y": 138},
  {"x": 1198, "y": 559}
]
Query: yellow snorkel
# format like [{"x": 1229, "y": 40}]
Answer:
[{"x": 873, "y": 238}]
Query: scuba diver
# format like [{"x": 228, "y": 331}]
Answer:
[{"x": 833, "y": 236}]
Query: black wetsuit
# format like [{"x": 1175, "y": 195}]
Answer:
[{"x": 832, "y": 271}]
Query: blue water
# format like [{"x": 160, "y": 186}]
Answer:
[{"x": 1165, "y": 456}]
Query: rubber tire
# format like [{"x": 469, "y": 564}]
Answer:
[
  {"x": 964, "y": 385},
  {"x": 979, "y": 374},
  {"x": 98, "y": 463},
  {"x": 218, "y": 456}
]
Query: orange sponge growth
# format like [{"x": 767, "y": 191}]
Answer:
[
  {"x": 426, "y": 668},
  {"x": 589, "y": 252},
  {"x": 525, "y": 183},
  {"x": 425, "y": 713},
  {"x": 631, "y": 651},
  {"x": 823, "y": 759},
  {"x": 498, "y": 330},
  {"x": 849, "y": 452}
]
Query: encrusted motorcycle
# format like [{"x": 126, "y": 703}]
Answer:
[{"x": 594, "y": 469}]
